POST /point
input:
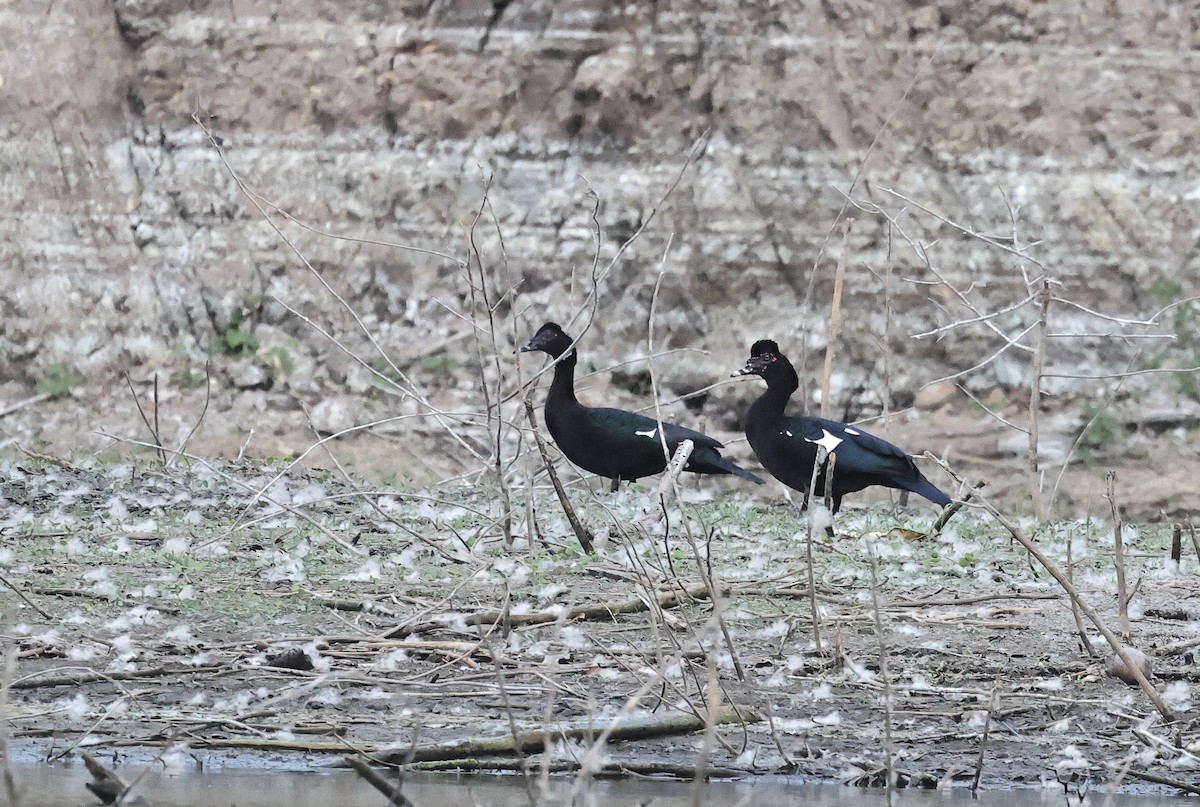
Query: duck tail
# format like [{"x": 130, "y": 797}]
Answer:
[{"x": 710, "y": 462}]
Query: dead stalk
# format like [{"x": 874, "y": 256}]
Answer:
[
  {"x": 1035, "y": 401},
  {"x": 495, "y": 421},
  {"x": 714, "y": 702},
  {"x": 835, "y": 317},
  {"x": 993, "y": 704},
  {"x": 155, "y": 434},
  {"x": 1113, "y": 640},
  {"x": 9, "y": 661},
  {"x": 581, "y": 532},
  {"x": 485, "y": 639},
  {"x": 671, "y": 480},
  {"x": 951, "y": 509},
  {"x": 884, "y": 678},
  {"x": 822, "y": 456},
  {"x": 1083, "y": 637},
  {"x": 1123, "y": 595},
  {"x": 390, "y": 790}
]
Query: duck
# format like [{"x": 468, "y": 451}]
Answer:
[
  {"x": 786, "y": 445},
  {"x": 614, "y": 443}
]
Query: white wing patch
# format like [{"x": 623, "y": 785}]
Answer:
[
  {"x": 649, "y": 434},
  {"x": 789, "y": 434},
  {"x": 828, "y": 441},
  {"x": 849, "y": 430}
]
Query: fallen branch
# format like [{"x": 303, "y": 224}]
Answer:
[
  {"x": 106, "y": 784},
  {"x": 36, "y": 680},
  {"x": 389, "y": 789},
  {"x": 1186, "y": 787},
  {"x": 581, "y": 532},
  {"x": 606, "y": 771},
  {"x": 1113, "y": 640},
  {"x": 608, "y": 610},
  {"x": 534, "y": 740},
  {"x": 4, "y": 580},
  {"x": 949, "y": 510}
]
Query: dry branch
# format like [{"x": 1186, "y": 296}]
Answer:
[
  {"x": 581, "y": 532},
  {"x": 1113, "y": 640},
  {"x": 534, "y": 740},
  {"x": 835, "y": 317},
  {"x": 391, "y": 790},
  {"x": 606, "y": 610},
  {"x": 1123, "y": 596},
  {"x": 40, "y": 679}
]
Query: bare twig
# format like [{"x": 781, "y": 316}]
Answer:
[
  {"x": 983, "y": 739},
  {"x": 30, "y": 401},
  {"x": 1083, "y": 637},
  {"x": 822, "y": 456},
  {"x": 200, "y": 419},
  {"x": 494, "y": 415},
  {"x": 151, "y": 427},
  {"x": 1123, "y": 595},
  {"x": 8, "y": 666},
  {"x": 581, "y": 532},
  {"x": 623, "y": 727},
  {"x": 884, "y": 678},
  {"x": 835, "y": 317},
  {"x": 390, "y": 790},
  {"x": 1035, "y": 403},
  {"x": 1113, "y": 640},
  {"x": 949, "y": 510},
  {"x": 7, "y": 584}
]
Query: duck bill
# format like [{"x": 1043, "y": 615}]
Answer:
[{"x": 754, "y": 366}]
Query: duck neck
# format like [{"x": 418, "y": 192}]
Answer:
[
  {"x": 770, "y": 406},
  {"x": 562, "y": 388}
]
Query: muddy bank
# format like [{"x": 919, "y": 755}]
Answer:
[{"x": 154, "y": 606}]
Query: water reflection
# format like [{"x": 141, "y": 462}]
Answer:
[{"x": 63, "y": 786}]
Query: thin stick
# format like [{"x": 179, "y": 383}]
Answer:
[
  {"x": 150, "y": 427},
  {"x": 581, "y": 532},
  {"x": 21, "y": 594},
  {"x": 702, "y": 758},
  {"x": 983, "y": 740},
  {"x": 496, "y": 429},
  {"x": 881, "y": 639},
  {"x": 1195, "y": 539},
  {"x": 30, "y": 401},
  {"x": 822, "y": 455},
  {"x": 203, "y": 411},
  {"x": 1113, "y": 640},
  {"x": 949, "y": 510},
  {"x": 8, "y": 660},
  {"x": 390, "y": 791},
  {"x": 829, "y": 491},
  {"x": 1123, "y": 595},
  {"x": 835, "y": 317},
  {"x": 1083, "y": 637},
  {"x": 1035, "y": 402}
]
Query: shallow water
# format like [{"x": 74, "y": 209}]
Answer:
[{"x": 63, "y": 786}]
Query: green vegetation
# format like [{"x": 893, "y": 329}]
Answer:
[
  {"x": 1184, "y": 351},
  {"x": 59, "y": 380},
  {"x": 440, "y": 363},
  {"x": 238, "y": 339}
]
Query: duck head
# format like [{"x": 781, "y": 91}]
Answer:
[
  {"x": 763, "y": 354},
  {"x": 550, "y": 339}
]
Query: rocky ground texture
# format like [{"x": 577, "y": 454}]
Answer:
[{"x": 151, "y": 149}]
